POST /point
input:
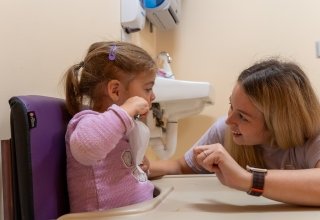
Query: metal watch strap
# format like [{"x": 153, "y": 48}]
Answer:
[{"x": 257, "y": 181}]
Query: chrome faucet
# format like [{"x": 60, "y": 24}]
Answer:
[
  {"x": 165, "y": 71},
  {"x": 164, "y": 54}
]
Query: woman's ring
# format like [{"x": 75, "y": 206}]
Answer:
[{"x": 205, "y": 154}]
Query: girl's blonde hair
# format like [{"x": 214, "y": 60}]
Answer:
[
  {"x": 104, "y": 61},
  {"x": 291, "y": 109}
]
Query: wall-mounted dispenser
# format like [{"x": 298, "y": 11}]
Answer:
[
  {"x": 133, "y": 15},
  {"x": 164, "y": 14}
]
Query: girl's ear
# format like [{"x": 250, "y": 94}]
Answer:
[{"x": 113, "y": 89}]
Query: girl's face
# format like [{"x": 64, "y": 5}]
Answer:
[
  {"x": 142, "y": 85},
  {"x": 246, "y": 122}
]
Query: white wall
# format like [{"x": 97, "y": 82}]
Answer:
[{"x": 41, "y": 38}]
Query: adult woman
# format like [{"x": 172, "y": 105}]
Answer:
[{"x": 273, "y": 123}]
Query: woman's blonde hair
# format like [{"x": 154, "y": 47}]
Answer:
[
  {"x": 291, "y": 109},
  {"x": 104, "y": 61}
]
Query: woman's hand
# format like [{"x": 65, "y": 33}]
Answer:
[{"x": 216, "y": 159}]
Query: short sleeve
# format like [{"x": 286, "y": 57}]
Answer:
[
  {"x": 215, "y": 134},
  {"x": 313, "y": 153}
]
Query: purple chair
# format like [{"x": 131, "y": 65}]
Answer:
[{"x": 37, "y": 159}]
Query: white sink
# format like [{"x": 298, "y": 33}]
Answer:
[
  {"x": 172, "y": 89},
  {"x": 175, "y": 99}
]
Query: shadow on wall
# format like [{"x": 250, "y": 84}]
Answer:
[{"x": 189, "y": 131}]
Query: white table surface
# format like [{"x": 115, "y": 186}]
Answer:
[{"x": 193, "y": 197}]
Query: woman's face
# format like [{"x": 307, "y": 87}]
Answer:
[{"x": 246, "y": 122}]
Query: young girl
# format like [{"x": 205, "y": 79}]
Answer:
[{"x": 104, "y": 93}]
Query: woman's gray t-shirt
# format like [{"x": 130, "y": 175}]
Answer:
[{"x": 302, "y": 157}]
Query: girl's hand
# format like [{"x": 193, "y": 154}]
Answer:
[
  {"x": 145, "y": 165},
  {"x": 216, "y": 159},
  {"x": 136, "y": 106}
]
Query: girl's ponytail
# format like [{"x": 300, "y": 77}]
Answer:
[{"x": 72, "y": 91}]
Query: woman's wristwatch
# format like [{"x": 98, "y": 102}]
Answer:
[{"x": 257, "y": 181}]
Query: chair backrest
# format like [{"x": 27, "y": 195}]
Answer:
[{"x": 38, "y": 126}]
